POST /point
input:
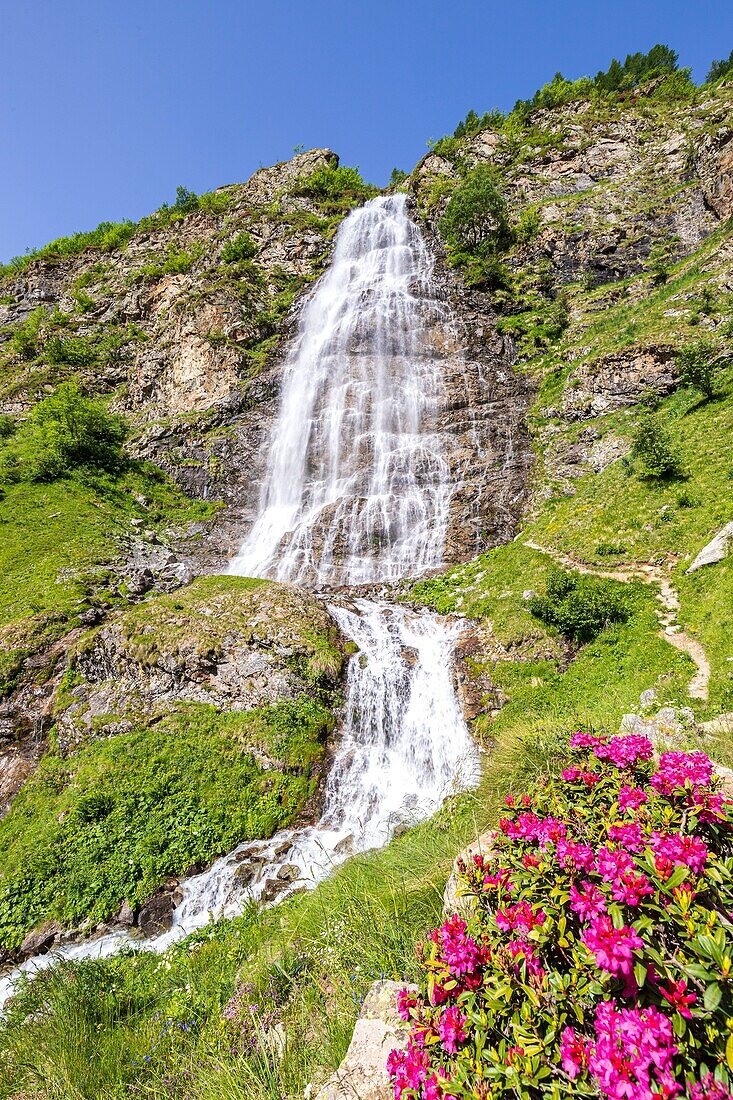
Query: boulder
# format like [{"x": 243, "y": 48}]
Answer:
[
  {"x": 715, "y": 550},
  {"x": 363, "y": 1073}
]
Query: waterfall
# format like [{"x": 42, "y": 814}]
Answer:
[
  {"x": 357, "y": 489},
  {"x": 357, "y": 486}
]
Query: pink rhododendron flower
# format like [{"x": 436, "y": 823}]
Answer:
[
  {"x": 612, "y": 863},
  {"x": 590, "y": 778},
  {"x": 630, "y": 798},
  {"x": 570, "y": 775},
  {"x": 631, "y": 889},
  {"x": 585, "y": 741},
  {"x": 587, "y": 900},
  {"x": 709, "y": 1089},
  {"x": 521, "y": 947},
  {"x": 680, "y": 851},
  {"x": 677, "y": 995},
  {"x": 633, "y": 1053},
  {"x": 574, "y": 1052},
  {"x": 628, "y": 835},
  {"x": 461, "y": 953},
  {"x": 613, "y": 947},
  {"x": 520, "y": 917},
  {"x": 577, "y": 856},
  {"x": 407, "y": 1068},
  {"x": 626, "y": 750},
  {"x": 676, "y": 769},
  {"x": 452, "y": 1028},
  {"x": 405, "y": 1002}
]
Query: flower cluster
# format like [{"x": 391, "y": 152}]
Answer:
[{"x": 594, "y": 950}]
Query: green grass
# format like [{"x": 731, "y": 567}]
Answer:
[
  {"x": 109, "y": 821},
  {"x": 58, "y": 541},
  {"x": 86, "y": 1031},
  {"x": 652, "y": 517},
  {"x": 707, "y": 613}
]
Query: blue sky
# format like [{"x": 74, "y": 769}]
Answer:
[{"x": 107, "y": 107}]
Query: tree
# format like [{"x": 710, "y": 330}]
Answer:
[
  {"x": 475, "y": 218},
  {"x": 719, "y": 69},
  {"x": 696, "y": 366},
  {"x": 654, "y": 449}
]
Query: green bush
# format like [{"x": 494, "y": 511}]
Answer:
[
  {"x": 7, "y": 426},
  {"x": 25, "y": 338},
  {"x": 241, "y": 247},
  {"x": 476, "y": 220},
  {"x": 336, "y": 183},
  {"x": 696, "y": 366},
  {"x": 654, "y": 449},
  {"x": 580, "y": 606},
  {"x": 69, "y": 429}
]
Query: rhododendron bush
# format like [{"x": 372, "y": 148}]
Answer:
[{"x": 598, "y": 960}]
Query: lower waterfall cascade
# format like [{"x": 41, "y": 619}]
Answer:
[{"x": 357, "y": 491}]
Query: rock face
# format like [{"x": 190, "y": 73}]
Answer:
[
  {"x": 229, "y": 642},
  {"x": 363, "y": 1073}
]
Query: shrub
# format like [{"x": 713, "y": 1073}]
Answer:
[
  {"x": 580, "y": 606},
  {"x": 69, "y": 430},
  {"x": 475, "y": 219},
  {"x": 595, "y": 960},
  {"x": 241, "y": 247},
  {"x": 330, "y": 182},
  {"x": 7, "y": 426},
  {"x": 696, "y": 366},
  {"x": 25, "y": 338},
  {"x": 186, "y": 201},
  {"x": 654, "y": 449},
  {"x": 397, "y": 177}
]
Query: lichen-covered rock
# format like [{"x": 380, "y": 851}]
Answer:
[
  {"x": 230, "y": 642},
  {"x": 363, "y": 1073}
]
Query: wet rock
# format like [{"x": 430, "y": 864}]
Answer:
[
  {"x": 272, "y": 888},
  {"x": 363, "y": 1073},
  {"x": 288, "y": 872},
  {"x": 156, "y": 914},
  {"x": 40, "y": 940}
]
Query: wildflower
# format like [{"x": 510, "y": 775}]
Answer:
[
  {"x": 590, "y": 778},
  {"x": 631, "y": 889},
  {"x": 680, "y": 851},
  {"x": 629, "y": 835},
  {"x": 630, "y": 798},
  {"x": 520, "y": 917},
  {"x": 613, "y": 947},
  {"x": 677, "y": 995},
  {"x": 574, "y": 1052},
  {"x": 625, "y": 751},
  {"x": 452, "y": 1028},
  {"x": 678, "y": 769},
  {"x": 460, "y": 952},
  {"x": 406, "y": 1001},
  {"x": 571, "y": 775},
  {"x": 585, "y": 741},
  {"x": 632, "y": 1055},
  {"x": 407, "y": 1068},
  {"x": 521, "y": 947},
  {"x": 588, "y": 901},
  {"x": 612, "y": 863},
  {"x": 575, "y": 856},
  {"x": 709, "y": 1089}
]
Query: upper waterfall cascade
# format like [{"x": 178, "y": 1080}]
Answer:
[
  {"x": 358, "y": 486},
  {"x": 358, "y": 489}
]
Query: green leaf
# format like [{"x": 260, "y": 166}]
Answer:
[{"x": 713, "y": 995}]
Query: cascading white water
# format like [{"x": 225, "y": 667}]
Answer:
[{"x": 358, "y": 489}]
